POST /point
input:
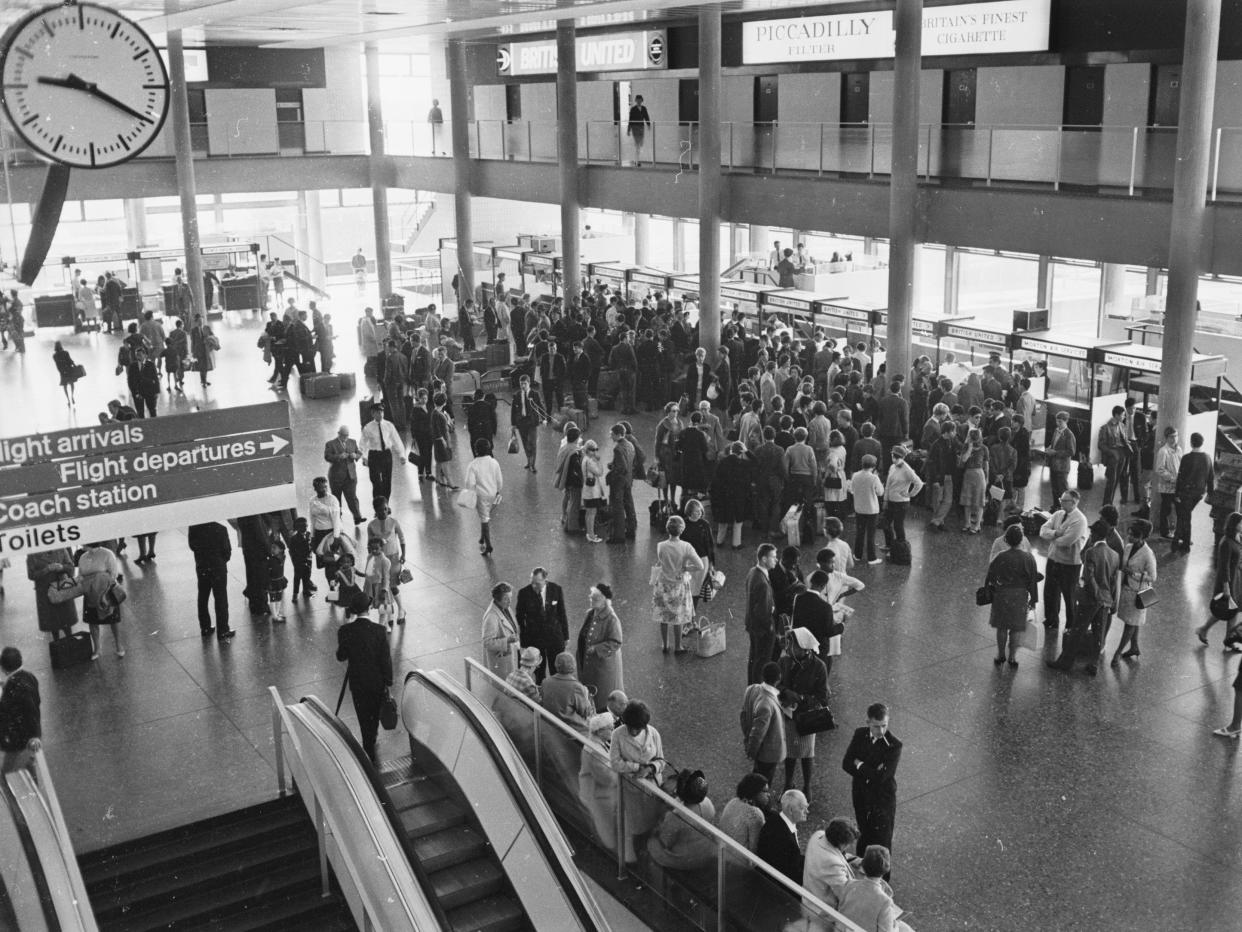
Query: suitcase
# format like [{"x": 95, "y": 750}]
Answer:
[
  {"x": 1032, "y": 521},
  {"x": 606, "y": 403},
  {"x": 71, "y": 651},
  {"x": 464, "y": 384},
  {"x": 320, "y": 385},
  {"x": 899, "y": 553},
  {"x": 496, "y": 354},
  {"x": 348, "y": 381}
]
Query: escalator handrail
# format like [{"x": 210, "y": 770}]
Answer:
[
  {"x": 30, "y": 850},
  {"x": 528, "y": 799},
  {"x": 321, "y": 712}
]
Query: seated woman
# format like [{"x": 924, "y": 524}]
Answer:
[
  {"x": 830, "y": 861},
  {"x": 743, "y": 816},
  {"x": 869, "y": 902},
  {"x": 678, "y": 843}
]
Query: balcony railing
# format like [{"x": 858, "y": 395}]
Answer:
[{"x": 1125, "y": 160}]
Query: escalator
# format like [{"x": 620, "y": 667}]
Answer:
[
  {"x": 292, "y": 276},
  {"x": 250, "y": 870}
]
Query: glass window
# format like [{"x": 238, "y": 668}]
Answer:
[{"x": 103, "y": 210}]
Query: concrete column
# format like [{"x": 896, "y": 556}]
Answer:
[
  {"x": 679, "y": 245},
  {"x": 217, "y": 211},
  {"x": 869, "y": 246},
  {"x": 567, "y": 153},
  {"x": 1190, "y": 182},
  {"x": 1043, "y": 285},
  {"x": 459, "y": 103},
  {"x": 952, "y": 280},
  {"x": 903, "y": 187},
  {"x": 186, "y": 187},
  {"x": 136, "y": 222},
  {"x": 1153, "y": 282},
  {"x": 760, "y": 240},
  {"x": 314, "y": 240},
  {"x": 1112, "y": 292},
  {"x": 710, "y": 180},
  {"x": 642, "y": 239},
  {"x": 379, "y": 191}
]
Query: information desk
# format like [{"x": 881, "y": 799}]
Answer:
[
  {"x": 746, "y": 298},
  {"x": 796, "y": 309},
  {"x": 853, "y": 320},
  {"x": 53, "y": 310},
  {"x": 962, "y": 335},
  {"x": 922, "y": 333},
  {"x": 610, "y": 274},
  {"x": 643, "y": 282},
  {"x": 240, "y": 294}
]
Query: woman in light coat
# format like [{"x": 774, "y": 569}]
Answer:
[
  {"x": 1138, "y": 572},
  {"x": 636, "y": 750},
  {"x": 500, "y": 632},
  {"x": 599, "y": 647},
  {"x": 830, "y": 862}
]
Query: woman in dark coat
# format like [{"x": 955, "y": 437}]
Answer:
[
  {"x": 1014, "y": 581},
  {"x": 803, "y": 673},
  {"x": 698, "y": 534},
  {"x": 66, "y": 367},
  {"x": 692, "y": 446},
  {"x": 731, "y": 495},
  {"x": 43, "y": 569},
  {"x": 420, "y": 431}
]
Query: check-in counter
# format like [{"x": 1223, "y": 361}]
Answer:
[
  {"x": 846, "y": 319},
  {"x": 794, "y": 308},
  {"x": 922, "y": 334},
  {"x": 643, "y": 282},
  {"x": 240, "y": 294},
  {"x": 544, "y": 268},
  {"x": 972, "y": 343},
  {"x": 684, "y": 287},
  {"x": 610, "y": 274},
  {"x": 747, "y": 299}
]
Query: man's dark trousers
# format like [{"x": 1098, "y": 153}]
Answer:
[
  {"x": 213, "y": 581},
  {"x": 379, "y": 465}
]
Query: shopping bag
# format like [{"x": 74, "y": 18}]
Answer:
[
  {"x": 1033, "y": 633},
  {"x": 790, "y": 523},
  {"x": 467, "y": 498},
  {"x": 513, "y": 442},
  {"x": 709, "y": 637}
]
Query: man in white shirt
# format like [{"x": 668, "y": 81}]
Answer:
[
  {"x": 1168, "y": 459},
  {"x": 325, "y": 513},
  {"x": 380, "y": 442},
  {"x": 901, "y": 485},
  {"x": 1066, "y": 532}
]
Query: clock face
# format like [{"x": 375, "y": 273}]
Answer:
[{"x": 82, "y": 85}]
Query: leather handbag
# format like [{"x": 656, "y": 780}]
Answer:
[
  {"x": 813, "y": 721},
  {"x": 1146, "y": 596},
  {"x": 388, "y": 711},
  {"x": 1223, "y": 606},
  {"x": 984, "y": 595}
]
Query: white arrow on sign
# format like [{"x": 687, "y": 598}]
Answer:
[{"x": 275, "y": 445}]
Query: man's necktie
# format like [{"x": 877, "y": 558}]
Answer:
[{"x": 383, "y": 446}]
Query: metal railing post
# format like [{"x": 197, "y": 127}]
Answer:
[
  {"x": 991, "y": 139},
  {"x": 587, "y": 147},
  {"x": 621, "y": 826},
  {"x": 1133, "y": 158},
  {"x": 321, "y": 829},
  {"x": 1216, "y": 162},
  {"x": 530, "y": 152},
  {"x": 821, "y": 149},
  {"x": 280, "y": 747},
  {"x": 721, "y": 865}
]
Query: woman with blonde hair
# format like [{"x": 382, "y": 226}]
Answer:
[
  {"x": 671, "y": 596},
  {"x": 592, "y": 488}
]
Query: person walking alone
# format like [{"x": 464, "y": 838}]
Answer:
[
  {"x": 210, "y": 544},
  {"x": 363, "y": 645}
]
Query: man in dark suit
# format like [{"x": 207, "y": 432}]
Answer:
[
  {"x": 212, "y": 548},
  {"x": 778, "y": 839},
  {"x": 871, "y": 760},
  {"x": 363, "y": 644},
  {"x": 760, "y": 609},
  {"x": 541, "y": 619},
  {"x": 620, "y": 480},
  {"x": 698, "y": 376},
  {"x": 724, "y": 378},
  {"x": 342, "y": 455}
]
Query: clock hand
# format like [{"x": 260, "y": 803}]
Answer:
[{"x": 73, "y": 82}]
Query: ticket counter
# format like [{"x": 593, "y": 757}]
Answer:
[
  {"x": 795, "y": 309},
  {"x": 643, "y": 282},
  {"x": 747, "y": 299},
  {"x": 844, "y": 319},
  {"x": 923, "y": 337}
]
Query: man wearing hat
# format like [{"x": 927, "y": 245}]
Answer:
[
  {"x": 901, "y": 485},
  {"x": 565, "y": 696},
  {"x": 523, "y": 678},
  {"x": 363, "y": 644}
]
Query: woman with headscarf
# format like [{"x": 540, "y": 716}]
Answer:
[
  {"x": 671, "y": 598},
  {"x": 599, "y": 647},
  {"x": 804, "y": 674},
  {"x": 500, "y": 632}
]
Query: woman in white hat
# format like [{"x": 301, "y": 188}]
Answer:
[
  {"x": 803, "y": 673},
  {"x": 523, "y": 678}
]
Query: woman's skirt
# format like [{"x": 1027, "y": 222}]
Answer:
[
  {"x": 671, "y": 602},
  {"x": 974, "y": 488}
]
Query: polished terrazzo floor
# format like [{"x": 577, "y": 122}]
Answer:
[{"x": 1028, "y": 799}]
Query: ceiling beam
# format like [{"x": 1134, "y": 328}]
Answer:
[{"x": 217, "y": 12}]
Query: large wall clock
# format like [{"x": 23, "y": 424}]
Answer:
[{"x": 83, "y": 85}]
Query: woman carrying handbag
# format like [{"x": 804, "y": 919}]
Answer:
[
  {"x": 1228, "y": 584},
  {"x": 1138, "y": 575}
]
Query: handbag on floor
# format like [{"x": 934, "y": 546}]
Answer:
[{"x": 709, "y": 637}]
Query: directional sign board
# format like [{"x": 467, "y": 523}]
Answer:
[{"x": 110, "y": 480}]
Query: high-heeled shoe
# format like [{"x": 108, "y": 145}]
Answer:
[
  {"x": 1226, "y": 733},
  {"x": 997, "y": 661}
]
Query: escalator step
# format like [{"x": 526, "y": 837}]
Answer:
[
  {"x": 450, "y": 846},
  {"x": 490, "y": 914},
  {"x": 306, "y": 912},
  {"x": 466, "y": 882},
  {"x": 416, "y": 793},
  {"x": 431, "y": 818}
]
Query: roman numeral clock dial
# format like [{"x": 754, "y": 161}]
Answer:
[{"x": 82, "y": 85}]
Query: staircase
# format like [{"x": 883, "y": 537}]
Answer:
[
  {"x": 463, "y": 869},
  {"x": 253, "y": 870}
]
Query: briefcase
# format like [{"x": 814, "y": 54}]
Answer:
[
  {"x": 71, "y": 651},
  {"x": 320, "y": 385}
]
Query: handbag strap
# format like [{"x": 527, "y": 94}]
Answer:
[{"x": 341, "y": 697}]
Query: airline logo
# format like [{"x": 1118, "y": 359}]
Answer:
[{"x": 618, "y": 51}]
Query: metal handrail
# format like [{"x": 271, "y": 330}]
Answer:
[{"x": 726, "y": 845}]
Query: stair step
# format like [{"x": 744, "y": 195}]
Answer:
[
  {"x": 169, "y": 856},
  {"x": 175, "y": 838},
  {"x": 307, "y": 912},
  {"x": 212, "y": 874},
  {"x": 491, "y": 914},
  {"x": 212, "y": 907},
  {"x": 466, "y": 882},
  {"x": 448, "y": 847}
]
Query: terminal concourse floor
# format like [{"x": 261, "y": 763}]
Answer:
[{"x": 1028, "y": 799}]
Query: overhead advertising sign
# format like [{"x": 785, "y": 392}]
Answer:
[
  {"x": 110, "y": 480},
  {"x": 1006, "y": 26},
  {"x": 613, "y": 51}
]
